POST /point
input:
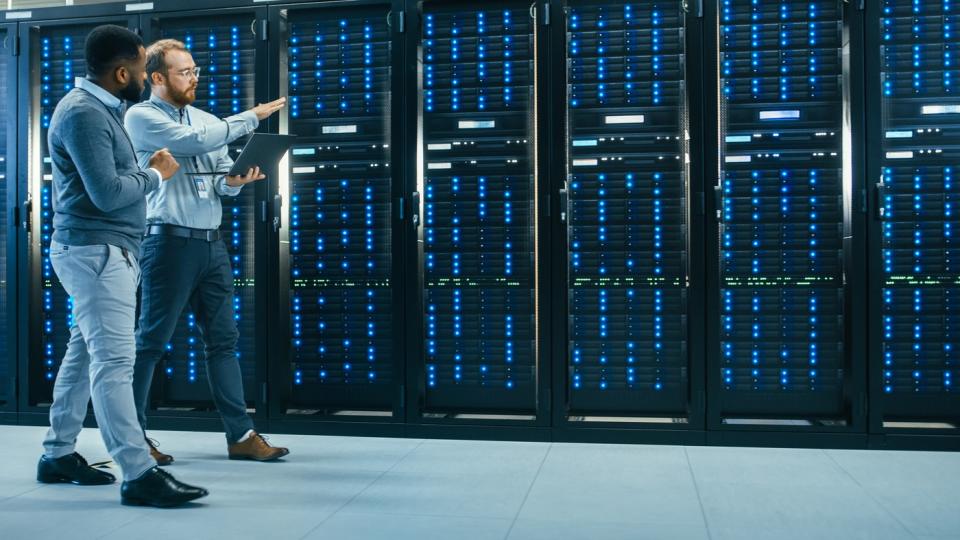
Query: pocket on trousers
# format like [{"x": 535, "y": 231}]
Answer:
[{"x": 94, "y": 258}]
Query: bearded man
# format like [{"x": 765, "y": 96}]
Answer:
[{"x": 185, "y": 261}]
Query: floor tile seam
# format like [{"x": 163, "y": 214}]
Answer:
[
  {"x": 533, "y": 481},
  {"x": 869, "y": 494},
  {"x": 22, "y": 493},
  {"x": 696, "y": 489},
  {"x": 424, "y": 514},
  {"x": 365, "y": 488},
  {"x": 134, "y": 517}
]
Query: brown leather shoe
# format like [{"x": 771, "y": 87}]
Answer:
[
  {"x": 162, "y": 459},
  {"x": 255, "y": 448}
]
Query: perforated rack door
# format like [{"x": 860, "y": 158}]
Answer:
[
  {"x": 920, "y": 199},
  {"x": 479, "y": 242},
  {"x": 224, "y": 45},
  {"x": 627, "y": 222},
  {"x": 8, "y": 190},
  {"x": 782, "y": 315},
  {"x": 340, "y": 272},
  {"x": 56, "y": 60}
]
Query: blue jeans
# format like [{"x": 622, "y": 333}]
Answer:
[
  {"x": 177, "y": 272},
  {"x": 98, "y": 364}
]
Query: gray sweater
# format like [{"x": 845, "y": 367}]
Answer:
[{"x": 98, "y": 188}]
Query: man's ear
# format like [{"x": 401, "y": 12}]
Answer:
[{"x": 121, "y": 75}]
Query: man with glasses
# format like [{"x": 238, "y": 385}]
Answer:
[{"x": 184, "y": 260}]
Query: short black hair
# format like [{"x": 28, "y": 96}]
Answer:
[{"x": 107, "y": 45}]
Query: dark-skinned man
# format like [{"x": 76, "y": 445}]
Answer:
[{"x": 99, "y": 209}]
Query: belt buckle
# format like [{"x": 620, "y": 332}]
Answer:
[{"x": 211, "y": 235}]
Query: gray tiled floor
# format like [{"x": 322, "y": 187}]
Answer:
[{"x": 359, "y": 488}]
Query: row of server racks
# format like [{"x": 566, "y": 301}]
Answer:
[{"x": 691, "y": 221}]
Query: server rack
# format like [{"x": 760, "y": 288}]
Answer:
[
  {"x": 230, "y": 47},
  {"x": 52, "y": 57},
  {"x": 8, "y": 218},
  {"x": 913, "y": 297},
  {"x": 412, "y": 400},
  {"x": 628, "y": 207},
  {"x": 477, "y": 355},
  {"x": 340, "y": 236},
  {"x": 783, "y": 325}
]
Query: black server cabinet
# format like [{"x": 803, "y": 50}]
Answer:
[
  {"x": 8, "y": 218},
  {"x": 52, "y": 57},
  {"x": 915, "y": 360},
  {"x": 632, "y": 303},
  {"x": 476, "y": 205},
  {"x": 783, "y": 351},
  {"x": 339, "y": 320},
  {"x": 230, "y": 48}
]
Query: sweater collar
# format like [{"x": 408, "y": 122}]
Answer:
[{"x": 111, "y": 101}]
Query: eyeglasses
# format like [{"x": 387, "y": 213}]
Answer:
[{"x": 189, "y": 72}]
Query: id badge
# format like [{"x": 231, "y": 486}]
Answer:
[{"x": 201, "y": 186}]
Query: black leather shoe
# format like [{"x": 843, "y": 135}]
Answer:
[
  {"x": 72, "y": 469},
  {"x": 158, "y": 488}
]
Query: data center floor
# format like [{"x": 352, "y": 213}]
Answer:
[{"x": 347, "y": 488}]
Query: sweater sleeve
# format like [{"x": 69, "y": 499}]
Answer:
[{"x": 86, "y": 135}]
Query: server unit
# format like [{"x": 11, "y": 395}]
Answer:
[
  {"x": 340, "y": 295},
  {"x": 8, "y": 222},
  {"x": 52, "y": 61},
  {"x": 916, "y": 366},
  {"x": 626, "y": 210},
  {"x": 478, "y": 206},
  {"x": 224, "y": 44},
  {"x": 784, "y": 320}
]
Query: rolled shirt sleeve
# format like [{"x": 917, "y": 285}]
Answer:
[
  {"x": 152, "y": 129},
  {"x": 224, "y": 162}
]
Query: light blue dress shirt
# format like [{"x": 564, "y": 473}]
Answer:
[{"x": 198, "y": 140}]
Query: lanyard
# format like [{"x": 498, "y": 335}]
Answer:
[
  {"x": 185, "y": 112},
  {"x": 199, "y": 183}
]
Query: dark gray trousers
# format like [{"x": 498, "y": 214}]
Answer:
[{"x": 177, "y": 272}]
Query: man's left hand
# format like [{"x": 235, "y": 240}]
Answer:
[{"x": 252, "y": 175}]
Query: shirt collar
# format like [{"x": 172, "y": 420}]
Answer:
[
  {"x": 108, "y": 99},
  {"x": 165, "y": 105}
]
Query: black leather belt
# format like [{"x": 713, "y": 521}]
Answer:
[{"x": 210, "y": 235}]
